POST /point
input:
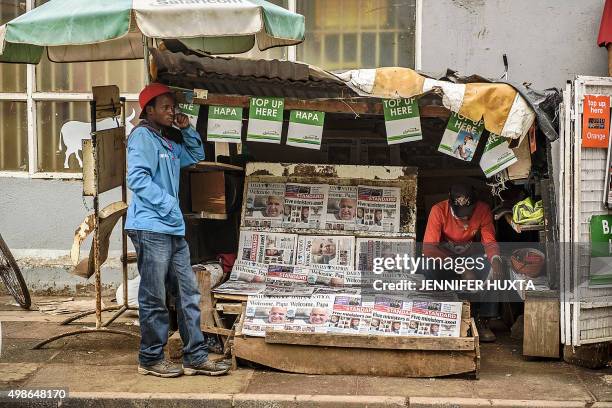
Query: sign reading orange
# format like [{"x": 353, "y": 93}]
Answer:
[{"x": 596, "y": 121}]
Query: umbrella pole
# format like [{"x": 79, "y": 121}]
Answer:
[{"x": 147, "y": 59}]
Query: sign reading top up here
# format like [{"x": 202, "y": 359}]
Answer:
[
  {"x": 601, "y": 251},
  {"x": 402, "y": 120},
  {"x": 265, "y": 120}
]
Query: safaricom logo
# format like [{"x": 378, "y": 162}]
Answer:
[{"x": 173, "y": 2}]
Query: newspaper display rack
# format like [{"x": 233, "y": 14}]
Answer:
[{"x": 301, "y": 346}]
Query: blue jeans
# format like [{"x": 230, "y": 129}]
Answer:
[{"x": 163, "y": 264}]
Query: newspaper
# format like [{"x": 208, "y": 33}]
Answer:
[
  {"x": 337, "y": 250},
  {"x": 351, "y": 314},
  {"x": 264, "y": 205},
  {"x": 391, "y": 317},
  {"x": 327, "y": 275},
  {"x": 440, "y": 319},
  {"x": 248, "y": 271},
  {"x": 378, "y": 209},
  {"x": 267, "y": 247},
  {"x": 311, "y": 315},
  {"x": 265, "y": 313},
  {"x": 240, "y": 288},
  {"x": 341, "y": 208},
  {"x": 367, "y": 249},
  {"x": 287, "y": 280},
  {"x": 305, "y": 205}
]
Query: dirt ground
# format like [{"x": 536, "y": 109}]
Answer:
[{"x": 107, "y": 363}]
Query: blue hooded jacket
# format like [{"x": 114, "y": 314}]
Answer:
[{"x": 154, "y": 165}]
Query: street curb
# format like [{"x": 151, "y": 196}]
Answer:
[{"x": 173, "y": 400}]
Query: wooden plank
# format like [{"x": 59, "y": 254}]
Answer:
[
  {"x": 111, "y": 159},
  {"x": 370, "y": 342},
  {"x": 542, "y": 336},
  {"x": 465, "y": 319},
  {"x": 477, "y": 348},
  {"x": 107, "y": 100},
  {"x": 229, "y": 308},
  {"x": 362, "y": 106},
  {"x": 218, "y": 330},
  {"x": 214, "y": 166},
  {"x": 206, "y": 306},
  {"x": 354, "y": 361},
  {"x": 223, "y": 296}
]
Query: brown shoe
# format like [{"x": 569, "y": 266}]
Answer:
[
  {"x": 164, "y": 369},
  {"x": 485, "y": 334},
  {"x": 208, "y": 367}
]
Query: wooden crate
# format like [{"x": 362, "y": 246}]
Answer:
[{"x": 350, "y": 354}]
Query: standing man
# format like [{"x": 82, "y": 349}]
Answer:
[
  {"x": 156, "y": 153},
  {"x": 452, "y": 228}
]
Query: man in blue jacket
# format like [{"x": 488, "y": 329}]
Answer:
[{"x": 156, "y": 153}]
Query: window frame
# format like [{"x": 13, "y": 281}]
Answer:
[{"x": 32, "y": 96}]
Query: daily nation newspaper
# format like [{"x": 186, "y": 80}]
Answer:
[
  {"x": 342, "y": 208},
  {"x": 264, "y": 205},
  {"x": 440, "y": 319},
  {"x": 351, "y": 314},
  {"x": 368, "y": 249},
  {"x": 311, "y": 314},
  {"x": 267, "y": 247},
  {"x": 391, "y": 316},
  {"x": 327, "y": 275},
  {"x": 378, "y": 209},
  {"x": 335, "y": 250},
  {"x": 287, "y": 280},
  {"x": 305, "y": 205},
  {"x": 246, "y": 278},
  {"x": 265, "y": 313}
]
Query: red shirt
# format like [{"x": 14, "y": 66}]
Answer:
[{"x": 442, "y": 226}]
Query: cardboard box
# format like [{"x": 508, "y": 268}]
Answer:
[{"x": 208, "y": 194}]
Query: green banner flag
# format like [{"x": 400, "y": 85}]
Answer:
[
  {"x": 402, "y": 120},
  {"x": 192, "y": 111},
  {"x": 265, "y": 120},
  {"x": 497, "y": 156},
  {"x": 601, "y": 251},
  {"x": 306, "y": 129},
  {"x": 224, "y": 124},
  {"x": 460, "y": 139}
]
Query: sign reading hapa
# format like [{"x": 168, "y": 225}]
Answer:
[
  {"x": 460, "y": 139},
  {"x": 305, "y": 129},
  {"x": 596, "y": 121},
  {"x": 265, "y": 120},
  {"x": 224, "y": 124},
  {"x": 402, "y": 120},
  {"x": 601, "y": 251}
]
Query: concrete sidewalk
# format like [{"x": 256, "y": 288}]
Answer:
[{"x": 100, "y": 370}]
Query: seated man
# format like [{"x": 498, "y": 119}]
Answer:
[{"x": 452, "y": 227}]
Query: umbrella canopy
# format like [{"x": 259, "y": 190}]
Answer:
[{"x": 101, "y": 30}]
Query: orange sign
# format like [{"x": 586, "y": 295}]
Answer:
[{"x": 596, "y": 121}]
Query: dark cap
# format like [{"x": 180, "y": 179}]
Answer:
[{"x": 462, "y": 200}]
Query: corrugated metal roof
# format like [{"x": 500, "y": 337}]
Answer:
[{"x": 240, "y": 76}]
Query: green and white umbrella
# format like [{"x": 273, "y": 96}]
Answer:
[{"x": 101, "y": 30}]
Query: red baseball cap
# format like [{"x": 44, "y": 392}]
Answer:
[{"x": 150, "y": 92}]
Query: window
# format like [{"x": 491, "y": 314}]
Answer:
[{"x": 348, "y": 34}]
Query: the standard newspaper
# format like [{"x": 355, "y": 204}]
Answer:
[
  {"x": 342, "y": 208},
  {"x": 267, "y": 247},
  {"x": 368, "y": 249},
  {"x": 287, "y": 280},
  {"x": 305, "y": 205},
  {"x": 264, "y": 205},
  {"x": 378, "y": 208},
  {"x": 326, "y": 250},
  {"x": 441, "y": 319},
  {"x": 391, "y": 316},
  {"x": 351, "y": 314}
]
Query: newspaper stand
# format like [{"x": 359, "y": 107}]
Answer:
[{"x": 322, "y": 353}]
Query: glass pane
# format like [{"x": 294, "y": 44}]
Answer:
[
  {"x": 61, "y": 128},
  {"x": 358, "y": 33},
  {"x": 81, "y": 76},
  {"x": 12, "y": 76},
  {"x": 13, "y": 136}
]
